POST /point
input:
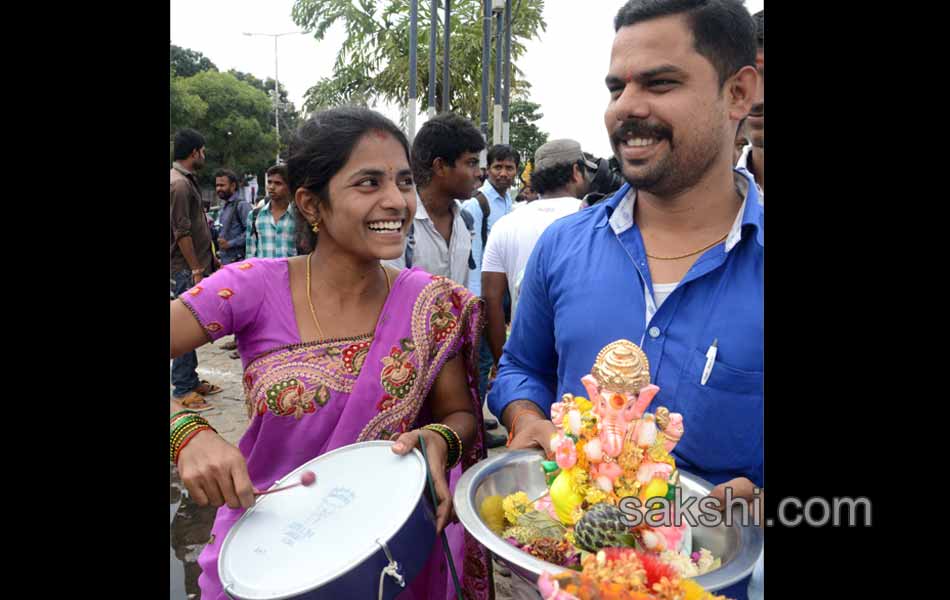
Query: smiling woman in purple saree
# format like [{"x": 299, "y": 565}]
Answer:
[{"x": 338, "y": 349}]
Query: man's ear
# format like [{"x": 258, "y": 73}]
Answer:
[
  {"x": 438, "y": 166},
  {"x": 740, "y": 92},
  {"x": 578, "y": 175},
  {"x": 308, "y": 204}
]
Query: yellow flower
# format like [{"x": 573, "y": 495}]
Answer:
[
  {"x": 595, "y": 495},
  {"x": 582, "y": 403},
  {"x": 516, "y": 505},
  {"x": 569, "y": 536},
  {"x": 579, "y": 478},
  {"x": 692, "y": 590},
  {"x": 626, "y": 487},
  {"x": 493, "y": 514},
  {"x": 658, "y": 453},
  {"x": 588, "y": 426},
  {"x": 581, "y": 456},
  {"x": 630, "y": 457}
]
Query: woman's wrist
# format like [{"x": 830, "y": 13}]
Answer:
[{"x": 452, "y": 441}]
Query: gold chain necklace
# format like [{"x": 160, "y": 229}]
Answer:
[
  {"x": 704, "y": 248},
  {"x": 313, "y": 313}
]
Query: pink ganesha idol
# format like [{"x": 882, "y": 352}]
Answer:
[{"x": 619, "y": 388}]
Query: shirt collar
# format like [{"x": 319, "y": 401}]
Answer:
[
  {"x": 177, "y": 166},
  {"x": 490, "y": 192},
  {"x": 421, "y": 213},
  {"x": 743, "y": 162},
  {"x": 618, "y": 210},
  {"x": 235, "y": 197}
]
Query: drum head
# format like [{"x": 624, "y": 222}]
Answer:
[{"x": 300, "y": 539}]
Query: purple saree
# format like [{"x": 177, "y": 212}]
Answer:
[{"x": 306, "y": 399}]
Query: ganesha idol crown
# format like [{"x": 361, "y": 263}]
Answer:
[{"x": 621, "y": 366}]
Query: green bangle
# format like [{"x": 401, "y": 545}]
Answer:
[
  {"x": 182, "y": 421},
  {"x": 183, "y": 432},
  {"x": 181, "y": 412},
  {"x": 453, "y": 441}
]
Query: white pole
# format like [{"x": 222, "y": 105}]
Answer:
[{"x": 276, "y": 101}]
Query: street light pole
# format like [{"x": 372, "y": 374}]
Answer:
[{"x": 276, "y": 84}]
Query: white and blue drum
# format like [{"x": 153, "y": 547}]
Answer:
[{"x": 364, "y": 525}]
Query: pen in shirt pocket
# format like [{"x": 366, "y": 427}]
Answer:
[{"x": 710, "y": 361}]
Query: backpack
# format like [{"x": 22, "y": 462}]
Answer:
[
  {"x": 486, "y": 210},
  {"x": 253, "y": 226}
]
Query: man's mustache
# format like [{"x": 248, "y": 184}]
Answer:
[{"x": 640, "y": 129}]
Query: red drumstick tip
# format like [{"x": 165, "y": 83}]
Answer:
[{"x": 308, "y": 478}]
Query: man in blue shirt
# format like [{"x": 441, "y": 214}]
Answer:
[
  {"x": 673, "y": 261},
  {"x": 496, "y": 197},
  {"x": 493, "y": 198},
  {"x": 232, "y": 218}
]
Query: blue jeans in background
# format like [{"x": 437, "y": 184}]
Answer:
[{"x": 185, "y": 367}]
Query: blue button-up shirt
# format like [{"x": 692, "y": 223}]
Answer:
[
  {"x": 587, "y": 284},
  {"x": 233, "y": 221},
  {"x": 498, "y": 206}
]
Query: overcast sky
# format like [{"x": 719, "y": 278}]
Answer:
[{"x": 566, "y": 66}]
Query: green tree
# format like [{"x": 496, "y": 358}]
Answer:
[
  {"x": 373, "y": 63},
  {"x": 289, "y": 115},
  {"x": 186, "y": 62},
  {"x": 184, "y": 108},
  {"x": 524, "y": 135},
  {"x": 237, "y": 122}
]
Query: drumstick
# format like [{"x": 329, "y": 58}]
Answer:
[{"x": 307, "y": 478}]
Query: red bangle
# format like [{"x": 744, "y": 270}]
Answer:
[{"x": 187, "y": 439}]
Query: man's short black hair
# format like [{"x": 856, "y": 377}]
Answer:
[
  {"x": 227, "y": 173},
  {"x": 446, "y": 136},
  {"x": 186, "y": 142},
  {"x": 553, "y": 178},
  {"x": 279, "y": 170},
  {"x": 502, "y": 152},
  {"x": 759, "y": 18},
  {"x": 723, "y": 30}
]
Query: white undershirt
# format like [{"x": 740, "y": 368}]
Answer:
[{"x": 662, "y": 290}]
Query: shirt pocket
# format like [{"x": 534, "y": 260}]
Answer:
[{"x": 723, "y": 419}]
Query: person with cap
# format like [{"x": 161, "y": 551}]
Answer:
[{"x": 561, "y": 177}]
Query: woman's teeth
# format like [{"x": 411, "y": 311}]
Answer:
[{"x": 385, "y": 225}]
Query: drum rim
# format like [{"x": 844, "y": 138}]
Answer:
[{"x": 350, "y": 566}]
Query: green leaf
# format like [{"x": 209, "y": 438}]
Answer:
[
  {"x": 542, "y": 523},
  {"x": 628, "y": 540}
]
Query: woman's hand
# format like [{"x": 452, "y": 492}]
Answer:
[
  {"x": 437, "y": 450},
  {"x": 214, "y": 472}
]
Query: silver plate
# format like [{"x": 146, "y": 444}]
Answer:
[{"x": 738, "y": 546}]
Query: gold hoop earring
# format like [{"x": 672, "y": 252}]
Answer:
[{"x": 316, "y": 226}]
